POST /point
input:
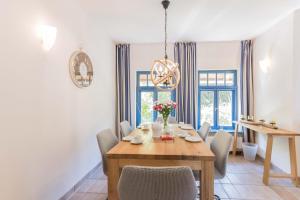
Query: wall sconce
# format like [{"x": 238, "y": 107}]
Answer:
[
  {"x": 47, "y": 35},
  {"x": 265, "y": 64}
]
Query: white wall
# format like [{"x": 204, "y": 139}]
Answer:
[
  {"x": 48, "y": 126},
  {"x": 210, "y": 55},
  {"x": 276, "y": 87},
  {"x": 296, "y": 83},
  {"x": 218, "y": 55}
]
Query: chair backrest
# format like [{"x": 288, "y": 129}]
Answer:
[
  {"x": 204, "y": 130},
  {"x": 153, "y": 183},
  {"x": 106, "y": 140},
  {"x": 125, "y": 128},
  {"x": 159, "y": 119},
  {"x": 220, "y": 146},
  {"x": 171, "y": 120}
]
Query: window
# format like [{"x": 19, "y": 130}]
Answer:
[
  {"x": 146, "y": 95},
  {"x": 217, "y": 97}
]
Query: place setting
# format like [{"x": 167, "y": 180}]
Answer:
[{"x": 133, "y": 139}]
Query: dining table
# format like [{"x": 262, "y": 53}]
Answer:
[{"x": 155, "y": 152}]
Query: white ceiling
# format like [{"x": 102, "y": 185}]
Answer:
[{"x": 142, "y": 21}]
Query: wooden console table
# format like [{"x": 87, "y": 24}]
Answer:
[{"x": 270, "y": 134}]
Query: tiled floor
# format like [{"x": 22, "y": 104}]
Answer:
[{"x": 243, "y": 182}]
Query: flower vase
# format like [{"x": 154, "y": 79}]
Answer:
[{"x": 165, "y": 119}]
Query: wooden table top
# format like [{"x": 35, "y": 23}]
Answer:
[
  {"x": 179, "y": 149},
  {"x": 266, "y": 130}
]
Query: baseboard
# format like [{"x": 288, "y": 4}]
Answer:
[
  {"x": 272, "y": 165},
  {"x": 69, "y": 193},
  {"x": 258, "y": 157}
]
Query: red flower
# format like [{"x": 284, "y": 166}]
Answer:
[{"x": 164, "y": 107}]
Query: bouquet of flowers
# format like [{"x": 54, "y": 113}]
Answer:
[{"x": 165, "y": 110}]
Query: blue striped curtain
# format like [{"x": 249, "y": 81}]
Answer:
[
  {"x": 246, "y": 83},
  {"x": 123, "y": 85},
  {"x": 185, "y": 56}
]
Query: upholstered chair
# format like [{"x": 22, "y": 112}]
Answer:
[
  {"x": 204, "y": 130},
  {"x": 106, "y": 141},
  {"x": 125, "y": 128},
  {"x": 153, "y": 183},
  {"x": 220, "y": 146},
  {"x": 171, "y": 120}
]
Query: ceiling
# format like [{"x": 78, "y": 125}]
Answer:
[{"x": 142, "y": 21}]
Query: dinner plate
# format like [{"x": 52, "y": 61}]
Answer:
[
  {"x": 128, "y": 138},
  {"x": 136, "y": 142},
  {"x": 193, "y": 139},
  {"x": 183, "y": 134},
  {"x": 186, "y": 127}
]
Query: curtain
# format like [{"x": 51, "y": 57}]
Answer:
[
  {"x": 123, "y": 85},
  {"x": 185, "y": 56},
  {"x": 246, "y": 84}
]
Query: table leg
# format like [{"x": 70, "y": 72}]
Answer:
[
  {"x": 235, "y": 139},
  {"x": 113, "y": 178},
  {"x": 293, "y": 160},
  {"x": 267, "y": 163},
  {"x": 207, "y": 181}
]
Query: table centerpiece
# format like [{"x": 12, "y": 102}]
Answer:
[{"x": 165, "y": 109}]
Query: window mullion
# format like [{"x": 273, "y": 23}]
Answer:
[
  {"x": 216, "y": 109},
  {"x": 155, "y": 96}
]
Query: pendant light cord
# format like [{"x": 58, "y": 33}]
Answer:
[{"x": 166, "y": 17}]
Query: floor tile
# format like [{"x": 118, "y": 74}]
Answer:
[
  {"x": 219, "y": 190},
  {"x": 99, "y": 186},
  {"x": 231, "y": 191},
  {"x": 77, "y": 196},
  {"x": 85, "y": 186},
  {"x": 98, "y": 174},
  {"x": 256, "y": 192},
  {"x": 246, "y": 179},
  {"x": 93, "y": 196},
  {"x": 284, "y": 193},
  {"x": 281, "y": 182},
  {"x": 242, "y": 182},
  {"x": 225, "y": 180}
]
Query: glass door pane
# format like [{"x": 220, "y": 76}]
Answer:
[
  {"x": 143, "y": 80},
  {"x": 207, "y": 107},
  {"x": 212, "y": 79},
  {"x": 225, "y": 108},
  {"x": 147, "y": 100},
  {"x": 164, "y": 97}
]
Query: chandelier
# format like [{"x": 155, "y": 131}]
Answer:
[{"x": 165, "y": 73}]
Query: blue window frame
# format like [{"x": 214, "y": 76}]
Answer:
[
  {"x": 217, "y": 98},
  {"x": 146, "y": 95}
]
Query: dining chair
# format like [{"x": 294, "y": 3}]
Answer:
[
  {"x": 157, "y": 183},
  {"x": 220, "y": 146},
  {"x": 171, "y": 120},
  {"x": 204, "y": 130},
  {"x": 106, "y": 141},
  {"x": 125, "y": 128},
  {"x": 159, "y": 119}
]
